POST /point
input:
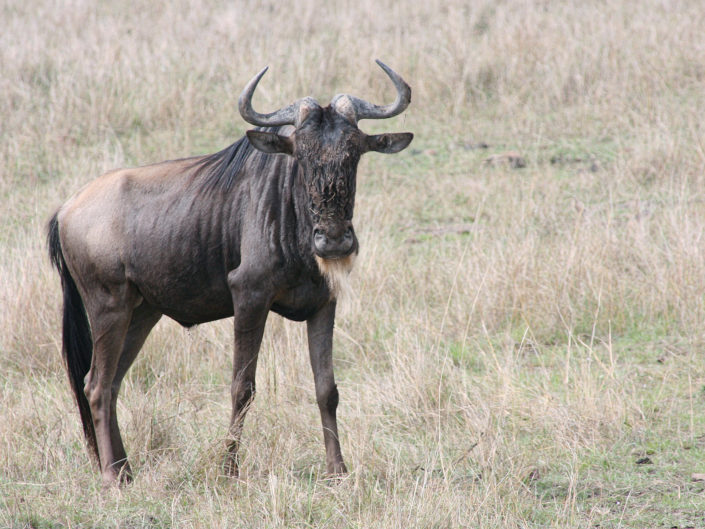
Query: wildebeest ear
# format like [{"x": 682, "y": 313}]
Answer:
[
  {"x": 270, "y": 142},
  {"x": 389, "y": 143}
]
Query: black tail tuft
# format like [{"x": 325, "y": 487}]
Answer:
[{"x": 77, "y": 348}]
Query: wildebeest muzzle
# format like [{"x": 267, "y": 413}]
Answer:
[{"x": 334, "y": 241}]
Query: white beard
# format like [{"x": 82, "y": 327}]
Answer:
[{"x": 337, "y": 275}]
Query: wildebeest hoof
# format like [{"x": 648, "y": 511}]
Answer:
[
  {"x": 337, "y": 471},
  {"x": 231, "y": 467}
]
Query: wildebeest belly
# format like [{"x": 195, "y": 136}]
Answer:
[
  {"x": 190, "y": 301},
  {"x": 193, "y": 298}
]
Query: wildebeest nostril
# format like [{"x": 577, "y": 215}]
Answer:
[{"x": 320, "y": 240}]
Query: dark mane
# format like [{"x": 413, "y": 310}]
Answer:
[{"x": 220, "y": 170}]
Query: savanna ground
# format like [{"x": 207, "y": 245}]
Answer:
[{"x": 524, "y": 346}]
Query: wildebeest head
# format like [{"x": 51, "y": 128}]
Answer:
[{"x": 327, "y": 145}]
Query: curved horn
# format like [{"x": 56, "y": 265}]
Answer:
[
  {"x": 367, "y": 110},
  {"x": 283, "y": 116}
]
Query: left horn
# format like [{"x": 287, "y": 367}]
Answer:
[
  {"x": 367, "y": 110},
  {"x": 283, "y": 116}
]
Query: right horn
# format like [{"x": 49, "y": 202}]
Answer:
[
  {"x": 367, "y": 110},
  {"x": 283, "y": 116}
]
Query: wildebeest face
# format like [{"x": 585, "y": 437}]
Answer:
[
  {"x": 327, "y": 145},
  {"x": 328, "y": 149}
]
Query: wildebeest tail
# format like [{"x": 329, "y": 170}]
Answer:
[{"x": 77, "y": 346}]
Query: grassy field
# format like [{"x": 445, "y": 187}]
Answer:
[{"x": 523, "y": 346}]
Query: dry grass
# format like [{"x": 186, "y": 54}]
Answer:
[{"x": 517, "y": 339}]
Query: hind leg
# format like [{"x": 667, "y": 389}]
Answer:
[
  {"x": 109, "y": 331},
  {"x": 144, "y": 318},
  {"x": 114, "y": 338}
]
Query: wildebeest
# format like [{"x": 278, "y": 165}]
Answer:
[{"x": 265, "y": 224}]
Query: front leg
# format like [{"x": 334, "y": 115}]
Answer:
[
  {"x": 250, "y": 315},
  {"x": 320, "y": 346}
]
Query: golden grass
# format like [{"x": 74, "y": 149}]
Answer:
[{"x": 515, "y": 339}]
